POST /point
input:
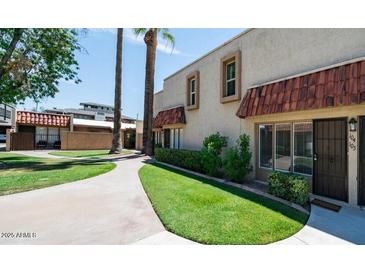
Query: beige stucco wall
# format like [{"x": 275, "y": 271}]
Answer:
[
  {"x": 85, "y": 140},
  {"x": 267, "y": 55}
]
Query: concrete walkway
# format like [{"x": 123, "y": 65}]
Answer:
[
  {"x": 113, "y": 209},
  {"x": 39, "y": 153},
  {"x": 327, "y": 227},
  {"x": 108, "y": 209}
]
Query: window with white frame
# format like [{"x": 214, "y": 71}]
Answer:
[
  {"x": 157, "y": 137},
  {"x": 192, "y": 88},
  {"x": 292, "y": 147},
  {"x": 230, "y": 79},
  {"x": 303, "y": 148},
  {"x": 265, "y": 139},
  {"x": 283, "y": 147},
  {"x": 176, "y": 138}
]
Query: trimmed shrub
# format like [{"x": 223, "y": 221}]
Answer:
[
  {"x": 188, "y": 159},
  {"x": 215, "y": 143},
  {"x": 289, "y": 186},
  {"x": 299, "y": 190},
  {"x": 211, "y": 154},
  {"x": 237, "y": 160},
  {"x": 211, "y": 163},
  {"x": 279, "y": 185}
]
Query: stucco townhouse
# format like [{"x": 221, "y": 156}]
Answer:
[{"x": 298, "y": 93}]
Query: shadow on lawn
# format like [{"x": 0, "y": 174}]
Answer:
[
  {"x": 124, "y": 157},
  {"x": 43, "y": 164},
  {"x": 263, "y": 201}
]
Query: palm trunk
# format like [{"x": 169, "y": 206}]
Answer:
[
  {"x": 151, "y": 42},
  {"x": 117, "y": 142}
]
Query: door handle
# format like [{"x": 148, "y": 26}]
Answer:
[{"x": 315, "y": 157}]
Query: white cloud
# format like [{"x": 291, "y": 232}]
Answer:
[{"x": 130, "y": 37}]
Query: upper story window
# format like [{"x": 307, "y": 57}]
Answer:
[
  {"x": 231, "y": 77},
  {"x": 192, "y": 90}
]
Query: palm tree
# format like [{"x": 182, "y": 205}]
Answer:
[
  {"x": 150, "y": 39},
  {"x": 117, "y": 142}
]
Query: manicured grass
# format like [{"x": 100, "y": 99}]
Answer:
[
  {"x": 88, "y": 153},
  {"x": 20, "y": 173},
  {"x": 208, "y": 212}
]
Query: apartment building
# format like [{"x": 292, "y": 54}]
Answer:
[{"x": 298, "y": 93}]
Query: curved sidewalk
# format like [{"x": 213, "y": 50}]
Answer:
[
  {"x": 108, "y": 209},
  {"x": 113, "y": 209}
]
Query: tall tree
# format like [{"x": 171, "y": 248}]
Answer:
[
  {"x": 33, "y": 61},
  {"x": 150, "y": 39},
  {"x": 117, "y": 142}
]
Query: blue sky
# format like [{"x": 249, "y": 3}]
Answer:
[{"x": 97, "y": 64}]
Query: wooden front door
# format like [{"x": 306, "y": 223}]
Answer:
[
  {"x": 330, "y": 158},
  {"x": 361, "y": 187}
]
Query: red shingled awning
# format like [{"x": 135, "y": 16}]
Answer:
[
  {"x": 340, "y": 86},
  {"x": 42, "y": 119},
  {"x": 169, "y": 117}
]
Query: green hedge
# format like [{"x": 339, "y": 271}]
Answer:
[
  {"x": 289, "y": 186},
  {"x": 189, "y": 159}
]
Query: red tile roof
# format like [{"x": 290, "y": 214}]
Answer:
[
  {"x": 42, "y": 119},
  {"x": 339, "y": 86},
  {"x": 169, "y": 117}
]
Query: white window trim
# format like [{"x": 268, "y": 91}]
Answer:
[
  {"x": 191, "y": 91},
  {"x": 175, "y": 138},
  {"x": 273, "y": 141},
  {"x": 293, "y": 146},
  {"x": 273, "y": 168},
  {"x": 232, "y": 79}
]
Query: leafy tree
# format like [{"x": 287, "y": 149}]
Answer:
[
  {"x": 117, "y": 142},
  {"x": 33, "y": 61},
  {"x": 150, "y": 39}
]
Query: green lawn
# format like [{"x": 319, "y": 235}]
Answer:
[
  {"x": 208, "y": 212},
  {"x": 88, "y": 153},
  {"x": 20, "y": 173}
]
